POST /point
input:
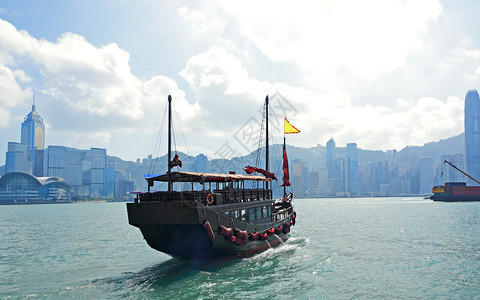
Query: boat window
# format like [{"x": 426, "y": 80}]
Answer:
[
  {"x": 227, "y": 213},
  {"x": 235, "y": 214},
  {"x": 265, "y": 212},
  {"x": 259, "y": 212},
  {"x": 252, "y": 214},
  {"x": 244, "y": 214},
  {"x": 269, "y": 211}
]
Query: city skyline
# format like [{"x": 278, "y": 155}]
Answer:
[
  {"x": 384, "y": 78},
  {"x": 336, "y": 172}
]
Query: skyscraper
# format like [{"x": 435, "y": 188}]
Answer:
[
  {"x": 426, "y": 175},
  {"x": 33, "y": 135},
  {"x": 472, "y": 135},
  {"x": 352, "y": 169},
  {"x": 27, "y": 156},
  {"x": 331, "y": 159}
]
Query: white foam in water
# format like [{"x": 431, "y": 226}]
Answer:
[{"x": 289, "y": 245}]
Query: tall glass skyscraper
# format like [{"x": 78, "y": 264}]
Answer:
[
  {"x": 27, "y": 156},
  {"x": 472, "y": 135},
  {"x": 352, "y": 169},
  {"x": 33, "y": 135},
  {"x": 331, "y": 159}
]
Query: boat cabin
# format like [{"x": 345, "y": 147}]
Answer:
[
  {"x": 216, "y": 189},
  {"x": 226, "y": 193}
]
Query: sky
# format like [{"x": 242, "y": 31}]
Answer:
[{"x": 384, "y": 74}]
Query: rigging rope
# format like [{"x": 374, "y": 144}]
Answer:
[
  {"x": 156, "y": 149},
  {"x": 184, "y": 140}
]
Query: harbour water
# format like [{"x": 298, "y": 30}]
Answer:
[{"x": 359, "y": 248}]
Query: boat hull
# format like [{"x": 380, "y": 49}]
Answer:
[
  {"x": 177, "y": 228},
  {"x": 455, "y": 198},
  {"x": 456, "y": 192}
]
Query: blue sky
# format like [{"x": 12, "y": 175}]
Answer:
[{"x": 384, "y": 74}]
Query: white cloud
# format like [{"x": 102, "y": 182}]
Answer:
[
  {"x": 93, "y": 91},
  {"x": 201, "y": 23},
  {"x": 330, "y": 36},
  {"x": 86, "y": 140},
  {"x": 97, "y": 80},
  {"x": 411, "y": 122},
  {"x": 11, "y": 93},
  {"x": 354, "y": 69}
]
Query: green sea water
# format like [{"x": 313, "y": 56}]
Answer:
[{"x": 358, "y": 248}]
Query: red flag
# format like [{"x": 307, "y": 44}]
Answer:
[{"x": 286, "y": 175}]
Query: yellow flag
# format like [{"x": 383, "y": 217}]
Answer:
[{"x": 289, "y": 128}]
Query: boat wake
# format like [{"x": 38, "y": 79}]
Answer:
[
  {"x": 191, "y": 279},
  {"x": 288, "y": 246}
]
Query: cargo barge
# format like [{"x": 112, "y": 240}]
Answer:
[{"x": 456, "y": 191}]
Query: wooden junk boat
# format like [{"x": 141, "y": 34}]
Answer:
[{"x": 227, "y": 216}]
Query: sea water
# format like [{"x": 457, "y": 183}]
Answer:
[{"x": 360, "y": 248}]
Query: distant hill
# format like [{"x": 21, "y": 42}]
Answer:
[
  {"x": 435, "y": 150},
  {"x": 313, "y": 157}
]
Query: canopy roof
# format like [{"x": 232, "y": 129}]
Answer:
[{"x": 204, "y": 177}]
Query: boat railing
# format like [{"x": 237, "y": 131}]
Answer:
[
  {"x": 165, "y": 196},
  {"x": 225, "y": 196},
  {"x": 282, "y": 213},
  {"x": 230, "y": 196}
]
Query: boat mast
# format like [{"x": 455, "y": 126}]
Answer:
[
  {"x": 169, "y": 142},
  {"x": 266, "y": 143},
  {"x": 284, "y": 150},
  {"x": 461, "y": 171}
]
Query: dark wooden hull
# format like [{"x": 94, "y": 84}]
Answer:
[{"x": 176, "y": 228}]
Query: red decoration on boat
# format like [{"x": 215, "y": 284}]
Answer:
[
  {"x": 241, "y": 234},
  {"x": 241, "y": 237},
  {"x": 227, "y": 232},
  {"x": 176, "y": 162},
  {"x": 231, "y": 238},
  {"x": 294, "y": 216},
  {"x": 262, "y": 236},
  {"x": 209, "y": 230},
  {"x": 271, "y": 231},
  {"x": 254, "y": 236},
  {"x": 278, "y": 230},
  {"x": 250, "y": 170}
]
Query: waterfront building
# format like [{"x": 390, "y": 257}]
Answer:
[
  {"x": 16, "y": 158},
  {"x": 426, "y": 175},
  {"x": 331, "y": 159},
  {"x": 123, "y": 185},
  {"x": 85, "y": 170},
  {"x": 299, "y": 177},
  {"x": 352, "y": 169},
  {"x": 313, "y": 183},
  {"x": 336, "y": 187},
  {"x": 323, "y": 180},
  {"x": 472, "y": 135},
  {"x": 340, "y": 172},
  {"x": 200, "y": 163},
  {"x": 18, "y": 187}
]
